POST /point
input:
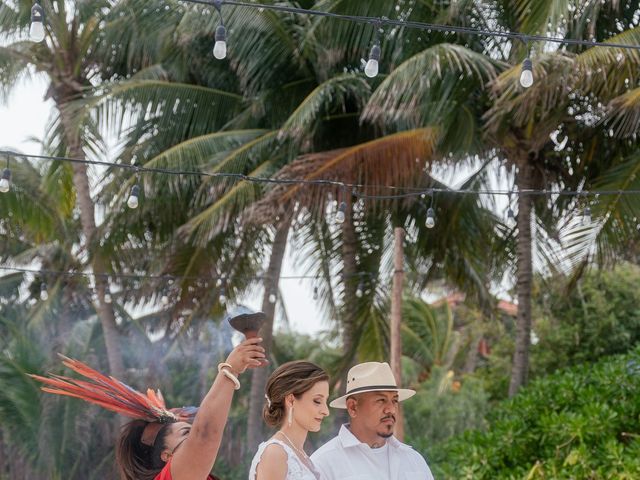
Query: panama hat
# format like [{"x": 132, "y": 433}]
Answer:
[{"x": 371, "y": 377}]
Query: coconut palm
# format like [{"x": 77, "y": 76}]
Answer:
[
  {"x": 84, "y": 42},
  {"x": 517, "y": 125}
]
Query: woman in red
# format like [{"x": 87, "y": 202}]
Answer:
[{"x": 162, "y": 444}]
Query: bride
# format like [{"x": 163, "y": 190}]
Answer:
[{"x": 296, "y": 394}]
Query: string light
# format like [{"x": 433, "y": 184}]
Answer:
[
  {"x": 220, "y": 47},
  {"x": 5, "y": 181},
  {"x": 360, "y": 289},
  {"x": 272, "y": 298},
  {"x": 341, "y": 213},
  {"x": 133, "y": 201},
  {"x": 526, "y": 77},
  {"x": 371, "y": 68},
  {"x": 222, "y": 298},
  {"x": 586, "y": 216},
  {"x": 430, "y": 222},
  {"x": 164, "y": 300},
  {"x": 44, "y": 294},
  {"x": 107, "y": 298},
  {"x": 36, "y": 30}
]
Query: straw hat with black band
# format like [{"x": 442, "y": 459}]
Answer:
[{"x": 371, "y": 377}]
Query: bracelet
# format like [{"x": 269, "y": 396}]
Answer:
[
  {"x": 232, "y": 377},
  {"x": 225, "y": 365}
]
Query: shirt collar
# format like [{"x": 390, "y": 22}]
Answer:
[{"x": 348, "y": 439}]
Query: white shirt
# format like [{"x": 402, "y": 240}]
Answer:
[{"x": 347, "y": 458}]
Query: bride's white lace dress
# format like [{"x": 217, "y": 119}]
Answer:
[{"x": 296, "y": 469}]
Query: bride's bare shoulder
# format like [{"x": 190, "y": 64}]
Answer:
[{"x": 273, "y": 463}]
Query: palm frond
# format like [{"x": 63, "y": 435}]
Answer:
[
  {"x": 427, "y": 86},
  {"x": 330, "y": 96}
]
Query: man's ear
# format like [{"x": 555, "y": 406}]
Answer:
[{"x": 352, "y": 407}]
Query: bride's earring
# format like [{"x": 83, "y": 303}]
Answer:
[{"x": 290, "y": 419}]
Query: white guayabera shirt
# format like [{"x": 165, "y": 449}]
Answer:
[{"x": 347, "y": 458}]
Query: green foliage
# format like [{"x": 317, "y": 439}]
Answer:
[
  {"x": 580, "y": 423},
  {"x": 601, "y": 316},
  {"x": 442, "y": 408}
]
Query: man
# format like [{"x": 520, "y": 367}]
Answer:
[{"x": 366, "y": 449}]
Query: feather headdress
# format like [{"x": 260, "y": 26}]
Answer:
[{"x": 116, "y": 396}]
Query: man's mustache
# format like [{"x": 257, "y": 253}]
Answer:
[{"x": 392, "y": 417}]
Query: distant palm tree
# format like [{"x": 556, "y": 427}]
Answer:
[{"x": 84, "y": 42}]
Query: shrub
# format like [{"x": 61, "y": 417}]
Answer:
[{"x": 583, "y": 423}]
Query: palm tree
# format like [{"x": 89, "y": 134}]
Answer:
[
  {"x": 516, "y": 124},
  {"x": 83, "y": 40}
]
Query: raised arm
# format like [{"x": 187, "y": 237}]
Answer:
[{"x": 196, "y": 456}]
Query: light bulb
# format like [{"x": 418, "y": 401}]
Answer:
[
  {"x": 133, "y": 201},
  {"x": 44, "y": 295},
  {"x": 340, "y": 215},
  {"x": 165, "y": 300},
  {"x": 218, "y": 282},
  {"x": 220, "y": 47},
  {"x": 586, "y": 217},
  {"x": 5, "y": 182},
  {"x": 360, "y": 290},
  {"x": 315, "y": 293},
  {"x": 36, "y": 31},
  {"x": 371, "y": 69},
  {"x": 526, "y": 77},
  {"x": 431, "y": 220},
  {"x": 107, "y": 298},
  {"x": 222, "y": 298},
  {"x": 272, "y": 298}
]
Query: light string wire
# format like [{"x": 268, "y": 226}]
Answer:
[
  {"x": 141, "y": 276},
  {"x": 408, "y": 191},
  {"x": 382, "y": 21}
]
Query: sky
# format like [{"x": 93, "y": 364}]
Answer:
[{"x": 23, "y": 117}]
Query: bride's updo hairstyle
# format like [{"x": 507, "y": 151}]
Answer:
[{"x": 295, "y": 377}]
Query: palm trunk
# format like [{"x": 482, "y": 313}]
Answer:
[
  {"x": 87, "y": 219},
  {"x": 259, "y": 375},
  {"x": 350, "y": 281},
  {"x": 520, "y": 367},
  {"x": 396, "y": 320}
]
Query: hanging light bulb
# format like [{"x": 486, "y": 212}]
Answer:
[
  {"x": 371, "y": 69},
  {"x": 340, "y": 215},
  {"x": 222, "y": 298},
  {"x": 5, "y": 182},
  {"x": 586, "y": 217},
  {"x": 107, "y": 298},
  {"x": 360, "y": 289},
  {"x": 272, "y": 298},
  {"x": 36, "y": 31},
  {"x": 220, "y": 47},
  {"x": 431, "y": 218},
  {"x": 133, "y": 201},
  {"x": 315, "y": 293},
  {"x": 44, "y": 294},
  {"x": 218, "y": 282},
  {"x": 165, "y": 300},
  {"x": 526, "y": 77}
]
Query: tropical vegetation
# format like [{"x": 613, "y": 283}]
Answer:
[{"x": 134, "y": 82}]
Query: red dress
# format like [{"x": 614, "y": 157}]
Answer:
[{"x": 165, "y": 474}]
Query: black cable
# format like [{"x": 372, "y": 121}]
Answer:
[
  {"x": 419, "y": 25},
  {"x": 135, "y": 276},
  {"x": 409, "y": 191}
]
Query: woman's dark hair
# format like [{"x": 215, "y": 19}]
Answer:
[
  {"x": 137, "y": 461},
  {"x": 293, "y": 377}
]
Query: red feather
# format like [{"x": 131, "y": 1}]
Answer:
[{"x": 112, "y": 394}]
